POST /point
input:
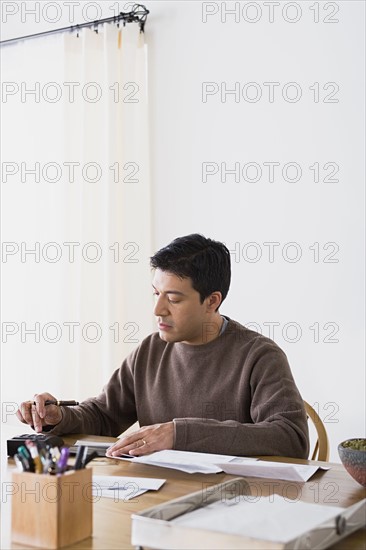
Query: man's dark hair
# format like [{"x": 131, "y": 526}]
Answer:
[{"x": 205, "y": 261}]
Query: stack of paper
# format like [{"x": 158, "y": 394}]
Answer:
[
  {"x": 205, "y": 463},
  {"x": 208, "y": 463}
]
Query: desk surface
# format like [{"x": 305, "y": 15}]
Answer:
[{"x": 112, "y": 520}]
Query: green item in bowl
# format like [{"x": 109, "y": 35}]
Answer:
[{"x": 359, "y": 444}]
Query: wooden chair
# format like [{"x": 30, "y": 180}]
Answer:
[{"x": 321, "y": 449}]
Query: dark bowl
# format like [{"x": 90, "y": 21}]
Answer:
[{"x": 353, "y": 459}]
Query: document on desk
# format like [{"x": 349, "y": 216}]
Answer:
[
  {"x": 272, "y": 470},
  {"x": 190, "y": 462},
  {"x": 270, "y": 518},
  {"x": 92, "y": 443},
  {"x": 124, "y": 488}
]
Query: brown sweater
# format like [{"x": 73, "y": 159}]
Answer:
[{"x": 235, "y": 395}]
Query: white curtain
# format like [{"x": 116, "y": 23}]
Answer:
[{"x": 76, "y": 210}]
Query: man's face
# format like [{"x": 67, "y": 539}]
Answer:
[{"x": 180, "y": 315}]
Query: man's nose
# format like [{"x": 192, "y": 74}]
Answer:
[{"x": 160, "y": 308}]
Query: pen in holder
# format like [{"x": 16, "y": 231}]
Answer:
[{"x": 51, "y": 511}]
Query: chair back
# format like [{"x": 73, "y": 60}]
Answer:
[{"x": 321, "y": 449}]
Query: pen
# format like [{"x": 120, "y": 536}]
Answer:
[
  {"x": 55, "y": 453},
  {"x": 59, "y": 403},
  {"x": 26, "y": 458},
  {"x": 85, "y": 454},
  {"x": 79, "y": 458},
  {"x": 32, "y": 447},
  {"x": 21, "y": 462},
  {"x": 62, "y": 461}
]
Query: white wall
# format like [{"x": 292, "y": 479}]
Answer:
[
  {"x": 327, "y": 360},
  {"x": 322, "y": 220}
]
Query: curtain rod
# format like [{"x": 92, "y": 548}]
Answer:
[{"x": 138, "y": 15}]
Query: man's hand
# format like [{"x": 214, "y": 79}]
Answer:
[
  {"x": 39, "y": 415},
  {"x": 145, "y": 441}
]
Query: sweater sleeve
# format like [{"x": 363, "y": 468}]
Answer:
[
  {"x": 110, "y": 413},
  {"x": 278, "y": 424}
]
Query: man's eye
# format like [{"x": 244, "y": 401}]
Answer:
[{"x": 173, "y": 301}]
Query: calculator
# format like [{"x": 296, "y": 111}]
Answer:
[{"x": 18, "y": 440}]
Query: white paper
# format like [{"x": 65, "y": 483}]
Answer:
[
  {"x": 269, "y": 518},
  {"x": 186, "y": 461},
  {"x": 123, "y": 488},
  {"x": 117, "y": 494},
  {"x": 114, "y": 482},
  {"x": 90, "y": 443},
  {"x": 271, "y": 470}
]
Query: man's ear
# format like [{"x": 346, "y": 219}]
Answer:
[{"x": 213, "y": 301}]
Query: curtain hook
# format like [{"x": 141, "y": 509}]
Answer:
[{"x": 77, "y": 28}]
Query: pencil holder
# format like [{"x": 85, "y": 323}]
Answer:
[{"x": 51, "y": 511}]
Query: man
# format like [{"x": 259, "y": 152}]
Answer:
[{"x": 203, "y": 382}]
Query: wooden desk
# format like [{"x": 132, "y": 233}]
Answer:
[{"x": 112, "y": 520}]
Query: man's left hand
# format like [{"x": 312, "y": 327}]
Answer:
[{"x": 145, "y": 441}]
